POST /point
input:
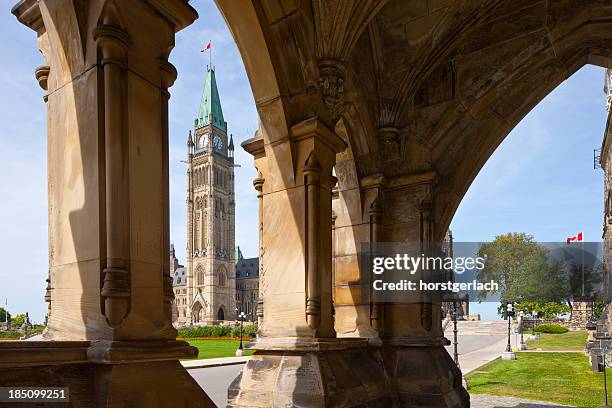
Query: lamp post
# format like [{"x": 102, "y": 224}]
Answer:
[
  {"x": 240, "y": 350},
  {"x": 454, "y": 318},
  {"x": 509, "y": 354}
]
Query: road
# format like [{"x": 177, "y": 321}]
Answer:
[{"x": 474, "y": 350}]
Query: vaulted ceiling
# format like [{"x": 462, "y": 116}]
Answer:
[{"x": 426, "y": 85}]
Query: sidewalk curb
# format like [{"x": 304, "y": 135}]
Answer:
[{"x": 205, "y": 364}]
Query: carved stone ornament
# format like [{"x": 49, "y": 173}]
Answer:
[{"x": 331, "y": 83}]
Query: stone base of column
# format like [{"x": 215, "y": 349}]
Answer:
[
  {"x": 424, "y": 374},
  {"x": 337, "y": 373},
  {"x": 129, "y": 383}
]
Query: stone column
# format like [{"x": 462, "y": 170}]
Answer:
[
  {"x": 423, "y": 372},
  {"x": 258, "y": 184},
  {"x": 358, "y": 223},
  {"x": 299, "y": 361},
  {"x": 107, "y": 120}
]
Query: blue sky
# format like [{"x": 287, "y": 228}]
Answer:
[{"x": 540, "y": 180}]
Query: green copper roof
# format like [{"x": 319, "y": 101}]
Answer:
[{"x": 211, "y": 104}]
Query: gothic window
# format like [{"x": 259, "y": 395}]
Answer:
[
  {"x": 222, "y": 277},
  {"x": 200, "y": 276}
]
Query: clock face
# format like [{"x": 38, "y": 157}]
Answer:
[
  {"x": 203, "y": 141},
  {"x": 217, "y": 143}
]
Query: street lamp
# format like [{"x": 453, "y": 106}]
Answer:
[
  {"x": 240, "y": 351},
  {"x": 521, "y": 346},
  {"x": 509, "y": 354},
  {"x": 454, "y": 318}
]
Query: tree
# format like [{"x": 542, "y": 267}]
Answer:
[
  {"x": 592, "y": 278},
  {"x": 520, "y": 267},
  {"x": 18, "y": 320},
  {"x": 3, "y": 315},
  {"x": 546, "y": 310}
]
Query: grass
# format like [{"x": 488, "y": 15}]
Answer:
[
  {"x": 217, "y": 348},
  {"x": 564, "y": 378},
  {"x": 572, "y": 340}
]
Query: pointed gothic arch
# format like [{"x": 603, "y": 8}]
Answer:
[
  {"x": 221, "y": 313},
  {"x": 222, "y": 275},
  {"x": 200, "y": 276}
]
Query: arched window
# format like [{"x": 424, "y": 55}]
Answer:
[
  {"x": 222, "y": 272},
  {"x": 199, "y": 276}
]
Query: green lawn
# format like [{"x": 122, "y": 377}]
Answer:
[
  {"x": 572, "y": 340},
  {"x": 564, "y": 378},
  {"x": 217, "y": 348}
]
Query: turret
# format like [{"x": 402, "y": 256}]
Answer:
[
  {"x": 190, "y": 144},
  {"x": 230, "y": 147}
]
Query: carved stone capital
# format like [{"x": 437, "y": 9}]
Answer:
[
  {"x": 168, "y": 73},
  {"x": 258, "y": 183},
  {"x": 389, "y": 140},
  {"x": 42, "y": 75},
  {"x": 113, "y": 42},
  {"x": 331, "y": 83}
]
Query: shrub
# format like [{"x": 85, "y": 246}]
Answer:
[
  {"x": 11, "y": 334},
  {"x": 550, "y": 328},
  {"x": 249, "y": 330}
]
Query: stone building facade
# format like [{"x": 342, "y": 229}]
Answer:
[
  {"x": 205, "y": 290},
  {"x": 247, "y": 285},
  {"x": 603, "y": 325}
]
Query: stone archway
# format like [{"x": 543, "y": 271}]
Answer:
[
  {"x": 221, "y": 314},
  {"x": 197, "y": 312},
  {"x": 425, "y": 94}
]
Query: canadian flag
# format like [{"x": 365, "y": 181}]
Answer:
[
  {"x": 575, "y": 238},
  {"x": 208, "y": 47}
]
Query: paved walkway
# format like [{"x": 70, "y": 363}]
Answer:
[
  {"x": 489, "y": 401},
  {"x": 482, "y": 350}
]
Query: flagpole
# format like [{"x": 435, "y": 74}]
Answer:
[
  {"x": 210, "y": 56},
  {"x": 582, "y": 253}
]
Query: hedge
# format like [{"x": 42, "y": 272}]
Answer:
[
  {"x": 249, "y": 330},
  {"x": 10, "y": 334},
  {"x": 550, "y": 328}
]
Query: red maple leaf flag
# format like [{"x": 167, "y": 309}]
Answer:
[
  {"x": 208, "y": 47},
  {"x": 575, "y": 238}
]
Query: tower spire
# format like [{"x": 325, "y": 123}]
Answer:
[{"x": 210, "y": 112}]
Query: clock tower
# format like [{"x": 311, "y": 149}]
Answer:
[{"x": 211, "y": 267}]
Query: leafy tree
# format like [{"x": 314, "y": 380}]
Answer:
[
  {"x": 592, "y": 278},
  {"x": 547, "y": 310},
  {"x": 3, "y": 315},
  {"x": 18, "y": 320},
  {"x": 520, "y": 266}
]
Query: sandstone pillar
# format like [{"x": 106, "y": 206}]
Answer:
[
  {"x": 358, "y": 207},
  {"x": 106, "y": 78},
  {"x": 299, "y": 361},
  {"x": 424, "y": 375}
]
